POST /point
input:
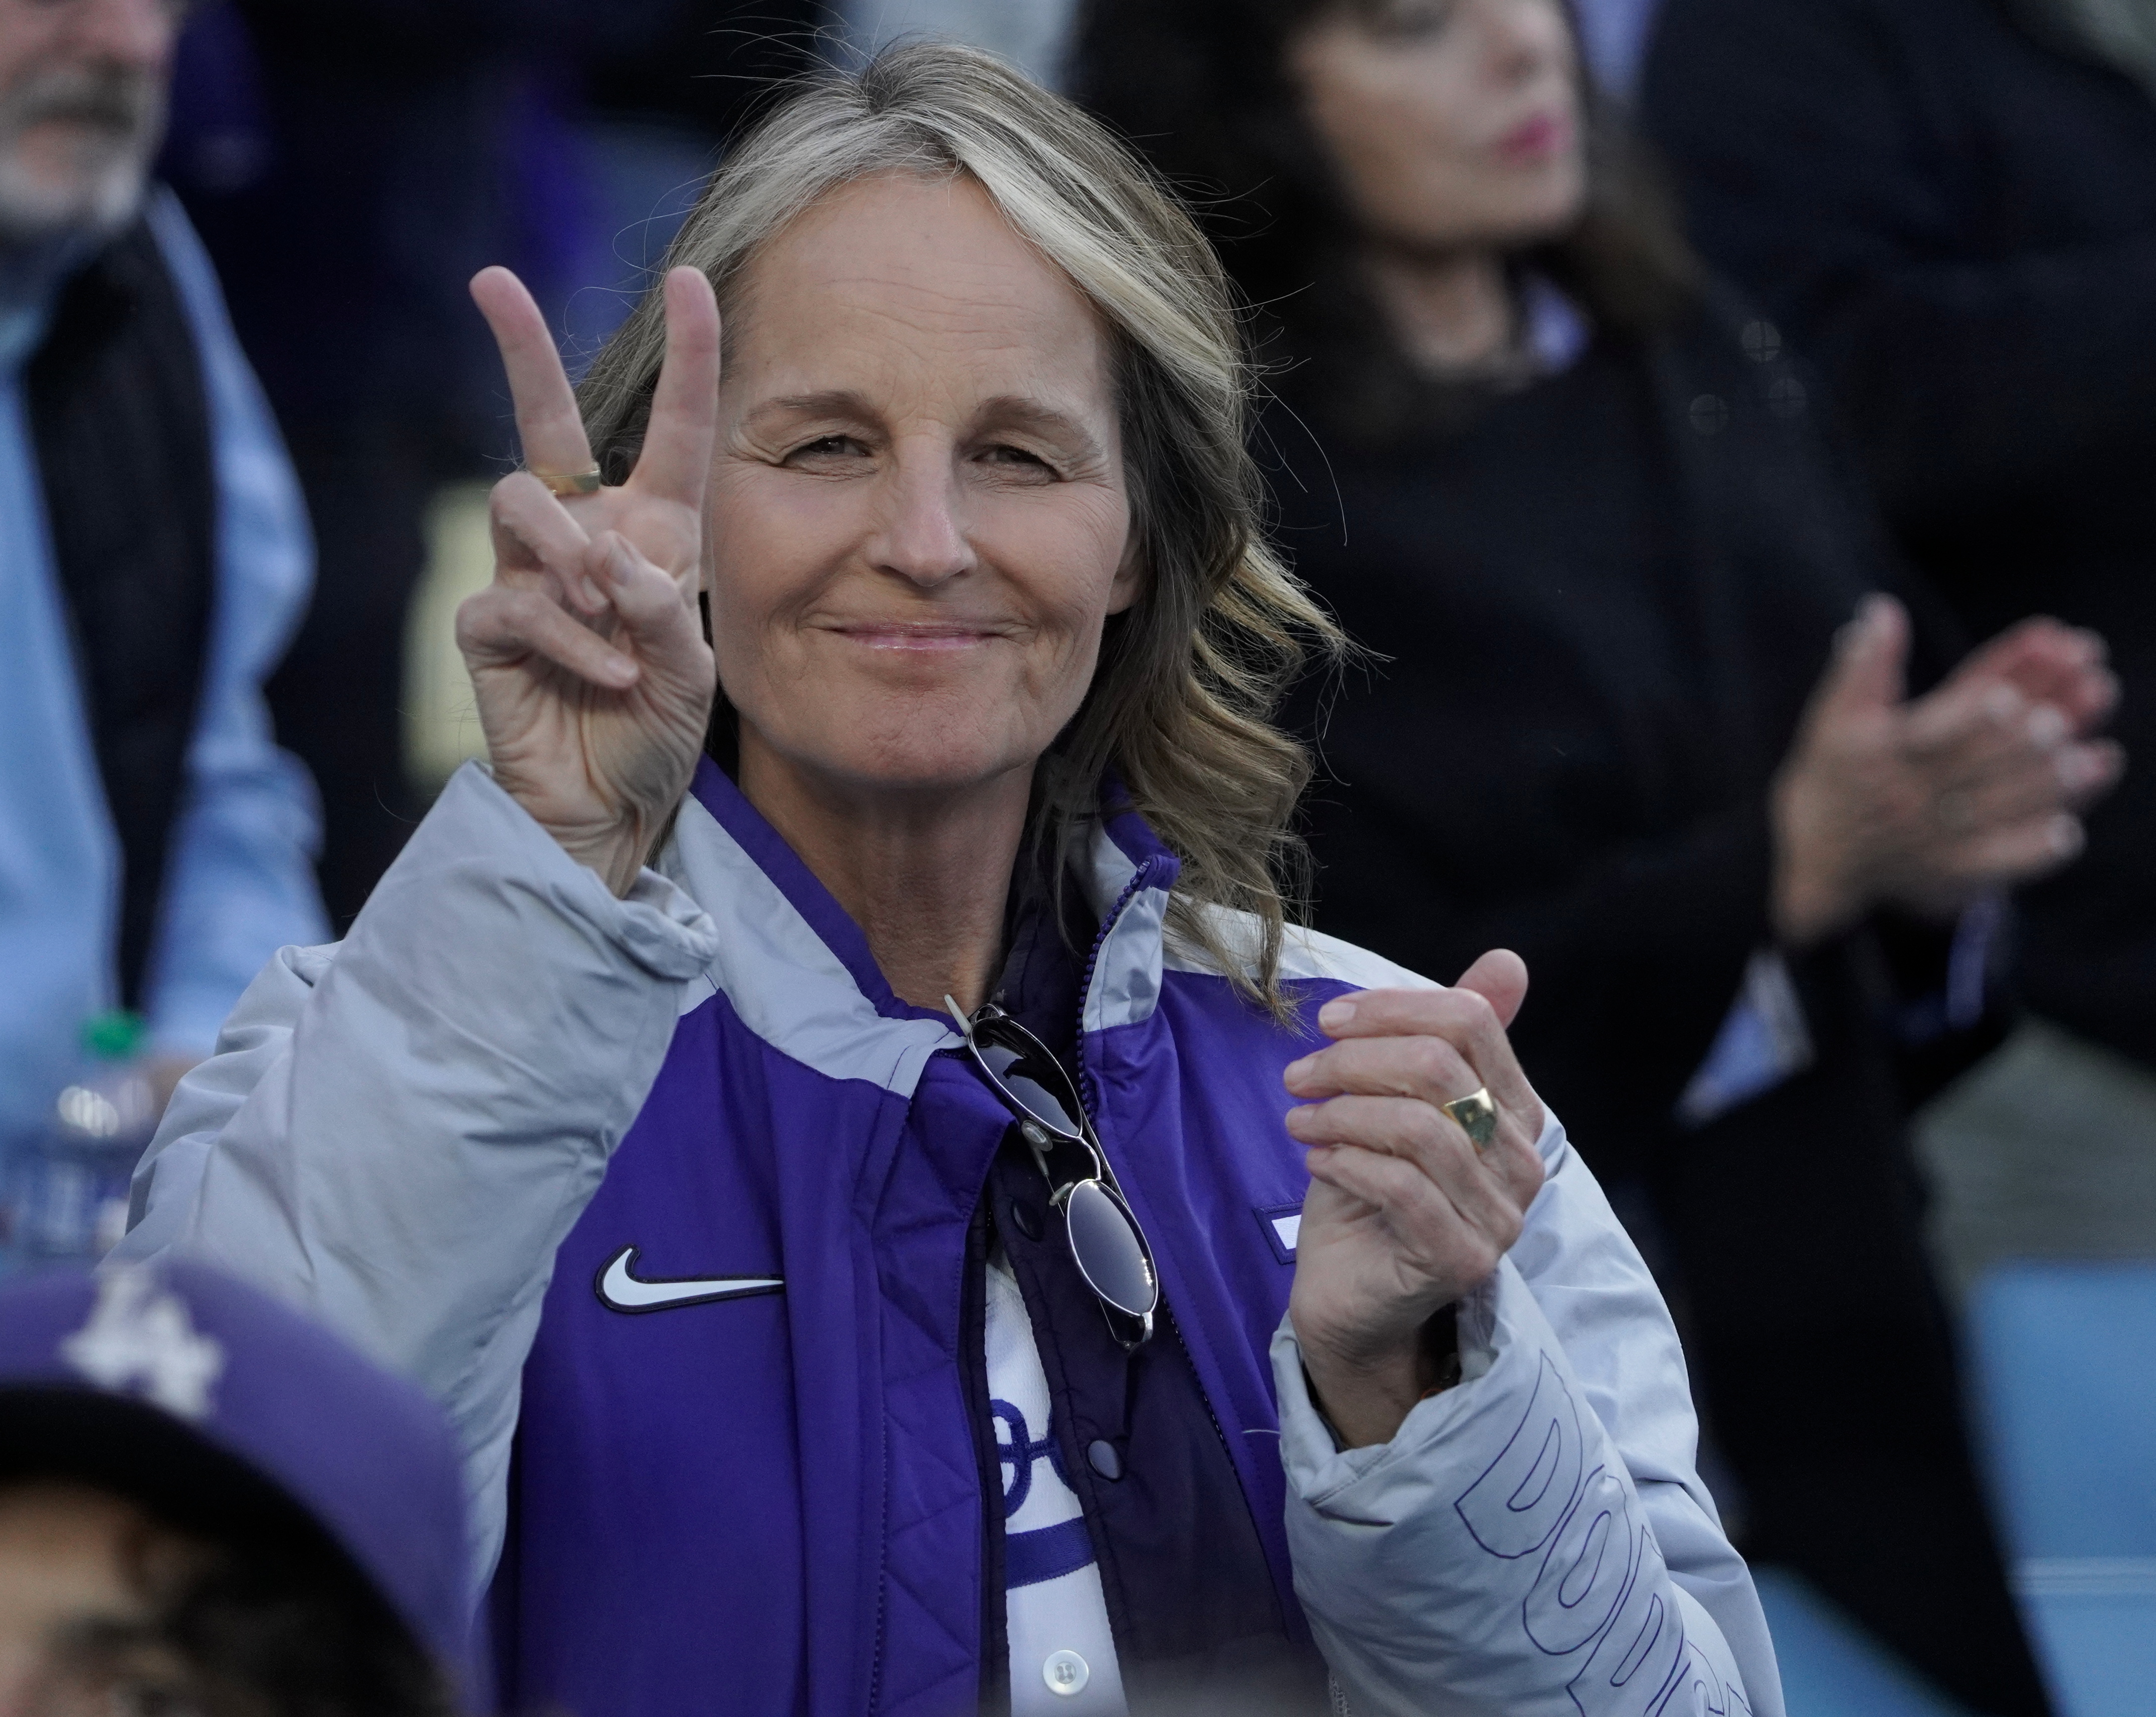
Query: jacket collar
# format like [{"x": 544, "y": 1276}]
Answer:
[{"x": 797, "y": 970}]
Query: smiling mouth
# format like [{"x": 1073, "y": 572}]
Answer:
[{"x": 926, "y": 636}]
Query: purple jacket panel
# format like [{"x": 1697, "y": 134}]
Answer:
[
  {"x": 1205, "y": 1071},
  {"x": 927, "y": 1646},
  {"x": 657, "y": 1496}
]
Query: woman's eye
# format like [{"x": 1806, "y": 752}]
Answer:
[
  {"x": 1413, "y": 19},
  {"x": 826, "y": 447},
  {"x": 1020, "y": 460}
]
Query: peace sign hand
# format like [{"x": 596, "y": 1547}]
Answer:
[{"x": 587, "y": 660}]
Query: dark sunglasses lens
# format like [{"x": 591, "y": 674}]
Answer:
[
  {"x": 1104, "y": 1240},
  {"x": 1011, "y": 1068}
]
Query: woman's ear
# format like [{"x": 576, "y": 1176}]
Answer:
[{"x": 1131, "y": 579}]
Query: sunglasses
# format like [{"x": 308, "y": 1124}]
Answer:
[{"x": 1106, "y": 1241}]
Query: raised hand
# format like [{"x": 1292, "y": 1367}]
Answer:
[
  {"x": 588, "y": 660},
  {"x": 1928, "y": 803},
  {"x": 1404, "y": 1214}
]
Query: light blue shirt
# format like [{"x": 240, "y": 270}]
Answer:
[{"x": 240, "y": 880}]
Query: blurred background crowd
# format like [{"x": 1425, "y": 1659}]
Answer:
[{"x": 1725, "y": 425}]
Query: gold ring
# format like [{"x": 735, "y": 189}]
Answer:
[
  {"x": 1476, "y": 1114},
  {"x": 567, "y": 483}
]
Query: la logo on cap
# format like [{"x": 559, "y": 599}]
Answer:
[{"x": 139, "y": 1340}]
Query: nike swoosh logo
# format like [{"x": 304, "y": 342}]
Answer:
[{"x": 618, "y": 1291}]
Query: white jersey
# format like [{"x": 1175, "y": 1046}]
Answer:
[{"x": 1062, "y": 1654}]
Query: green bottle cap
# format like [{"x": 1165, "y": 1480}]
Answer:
[{"x": 114, "y": 1035}]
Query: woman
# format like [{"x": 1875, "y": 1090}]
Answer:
[
  {"x": 1621, "y": 725},
  {"x": 667, "y": 1110}
]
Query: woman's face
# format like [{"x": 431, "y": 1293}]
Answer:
[
  {"x": 1453, "y": 125},
  {"x": 919, "y": 522}
]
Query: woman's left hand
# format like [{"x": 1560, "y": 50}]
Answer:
[{"x": 1405, "y": 1215}]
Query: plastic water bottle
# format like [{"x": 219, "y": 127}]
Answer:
[{"x": 67, "y": 1193}]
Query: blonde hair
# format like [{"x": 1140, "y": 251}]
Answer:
[{"x": 1182, "y": 703}]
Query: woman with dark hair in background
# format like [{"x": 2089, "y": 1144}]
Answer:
[{"x": 1624, "y": 723}]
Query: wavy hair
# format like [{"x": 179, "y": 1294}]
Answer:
[{"x": 1189, "y": 679}]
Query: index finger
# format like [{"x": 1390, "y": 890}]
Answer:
[
  {"x": 1462, "y": 1018},
  {"x": 547, "y": 421},
  {"x": 677, "y": 459}
]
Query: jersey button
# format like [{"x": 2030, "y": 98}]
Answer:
[
  {"x": 1066, "y": 1673},
  {"x": 1101, "y": 1456}
]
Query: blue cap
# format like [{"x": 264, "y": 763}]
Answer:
[{"x": 207, "y": 1402}]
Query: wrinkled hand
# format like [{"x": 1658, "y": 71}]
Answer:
[
  {"x": 587, "y": 656},
  {"x": 1404, "y": 1214},
  {"x": 1928, "y": 804}
]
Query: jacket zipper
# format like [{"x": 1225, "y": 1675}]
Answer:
[
  {"x": 1090, "y": 1098},
  {"x": 1218, "y": 1431},
  {"x": 1087, "y": 1094}
]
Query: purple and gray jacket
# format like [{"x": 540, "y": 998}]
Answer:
[{"x": 509, "y": 1108}]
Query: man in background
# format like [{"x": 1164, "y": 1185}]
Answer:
[
  {"x": 154, "y": 843},
  {"x": 209, "y": 1508},
  {"x": 1950, "y": 207}
]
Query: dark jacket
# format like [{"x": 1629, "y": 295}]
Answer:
[
  {"x": 1958, "y": 223},
  {"x": 121, "y": 428},
  {"x": 1603, "y": 602}
]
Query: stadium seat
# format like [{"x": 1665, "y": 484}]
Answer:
[{"x": 2064, "y": 1358}]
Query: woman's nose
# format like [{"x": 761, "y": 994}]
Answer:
[
  {"x": 1525, "y": 37},
  {"x": 921, "y": 534}
]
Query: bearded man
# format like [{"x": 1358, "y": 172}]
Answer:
[{"x": 155, "y": 844}]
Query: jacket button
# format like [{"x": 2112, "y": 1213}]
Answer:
[
  {"x": 1026, "y": 1219},
  {"x": 1101, "y": 1456},
  {"x": 1066, "y": 1674}
]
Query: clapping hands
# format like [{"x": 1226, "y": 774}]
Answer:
[{"x": 1927, "y": 803}]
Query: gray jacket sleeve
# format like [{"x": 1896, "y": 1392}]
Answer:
[
  {"x": 397, "y": 1132},
  {"x": 1535, "y": 1539}
]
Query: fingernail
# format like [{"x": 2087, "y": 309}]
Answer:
[
  {"x": 2046, "y": 726},
  {"x": 593, "y": 596},
  {"x": 1334, "y": 1015},
  {"x": 1294, "y": 1071},
  {"x": 2066, "y": 837},
  {"x": 2000, "y": 701}
]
